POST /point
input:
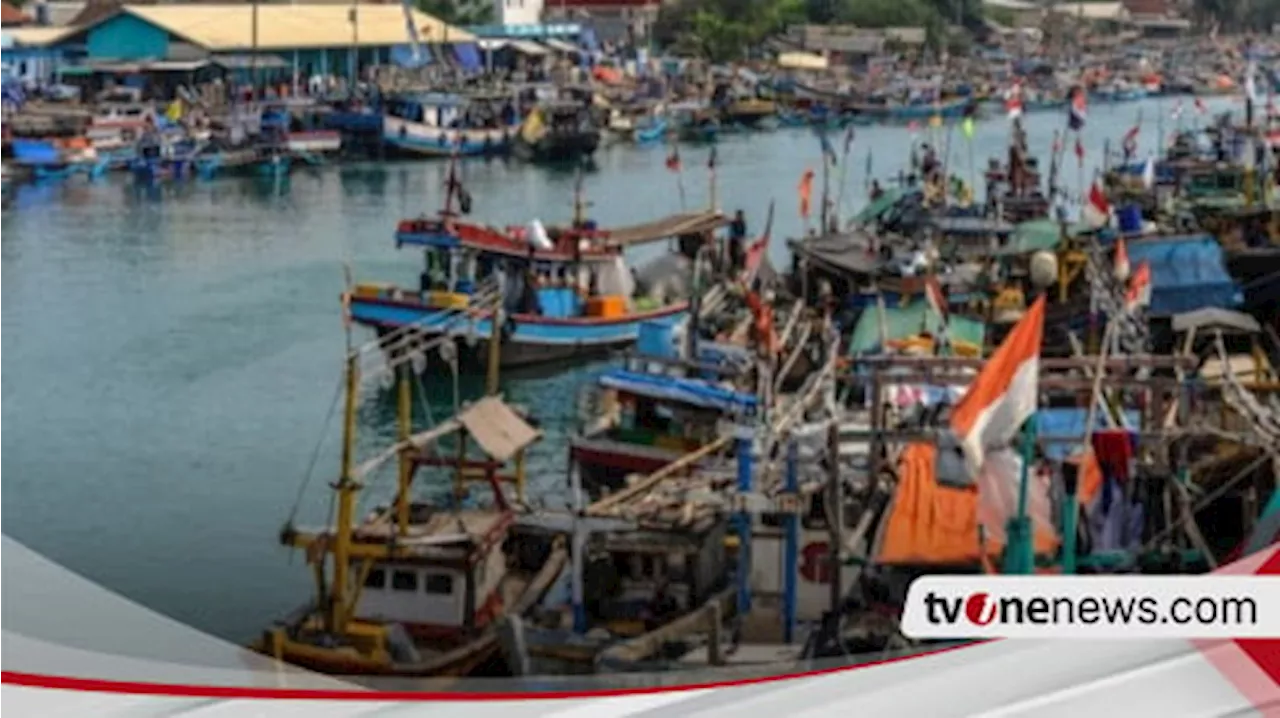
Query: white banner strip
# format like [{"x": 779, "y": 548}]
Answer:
[{"x": 1092, "y": 607}]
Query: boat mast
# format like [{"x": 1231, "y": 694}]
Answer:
[
  {"x": 404, "y": 426},
  {"x": 346, "y": 488},
  {"x": 253, "y": 54}
]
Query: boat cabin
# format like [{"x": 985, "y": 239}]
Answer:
[{"x": 652, "y": 421}]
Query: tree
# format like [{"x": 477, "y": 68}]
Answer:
[{"x": 458, "y": 12}]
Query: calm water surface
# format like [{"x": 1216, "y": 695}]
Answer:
[{"x": 169, "y": 358}]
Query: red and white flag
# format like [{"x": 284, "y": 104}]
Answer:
[
  {"x": 1097, "y": 211},
  {"x": 1200, "y": 108},
  {"x": 1013, "y": 100},
  {"x": 936, "y": 297},
  {"x": 1121, "y": 260},
  {"x": 1004, "y": 394},
  {"x": 1139, "y": 294}
]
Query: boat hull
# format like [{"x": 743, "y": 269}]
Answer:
[
  {"x": 314, "y": 141},
  {"x": 528, "y": 340},
  {"x": 417, "y": 139},
  {"x": 558, "y": 147}
]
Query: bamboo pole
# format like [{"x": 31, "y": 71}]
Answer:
[{"x": 658, "y": 476}]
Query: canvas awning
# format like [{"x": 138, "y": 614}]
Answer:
[
  {"x": 673, "y": 226},
  {"x": 499, "y": 431},
  {"x": 246, "y": 62},
  {"x": 561, "y": 46},
  {"x": 1216, "y": 318},
  {"x": 527, "y": 47},
  {"x": 802, "y": 61}
]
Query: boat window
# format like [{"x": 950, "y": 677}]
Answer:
[
  {"x": 377, "y": 578},
  {"x": 404, "y": 581},
  {"x": 440, "y": 584}
]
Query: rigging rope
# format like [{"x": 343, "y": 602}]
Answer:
[{"x": 315, "y": 452}]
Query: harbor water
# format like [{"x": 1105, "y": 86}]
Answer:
[{"x": 171, "y": 355}]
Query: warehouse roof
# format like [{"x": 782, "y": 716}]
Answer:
[
  {"x": 286, "y": 27},
  {"x": 38, "y": 36}
]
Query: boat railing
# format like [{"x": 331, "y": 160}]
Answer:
[{"x": 403, "y": 343}]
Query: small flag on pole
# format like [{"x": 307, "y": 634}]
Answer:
[
  {"x": 673, "y": 159},
  {"x": 1013, "y": 100},
  {"x": 806, "y": 192},
  {"x": 1121, "y": 260},
  {"x": 1200, "y": 106},
  {"x": 1097, "y": 211},
  {"x": 1080, "y": 151},
  {"x": 1139, "y": 294},
  {"x": 1076, "y": 114}
]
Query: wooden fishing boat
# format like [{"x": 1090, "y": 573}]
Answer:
[
  {"x": 557, "y": 131},
  {"x": 694, "y": 121},
  {"x": 299, "y": 129},
  {"x": 558, "y": 294},
  {"x": 417, "y": 590},
  {"x": 444, "y": 125},
  {"x": 58, "y": 159}
]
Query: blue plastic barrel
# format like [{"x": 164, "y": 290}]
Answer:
[
  {"x": 1129, "y": 217},
  {"x": 656, "y": 339}
]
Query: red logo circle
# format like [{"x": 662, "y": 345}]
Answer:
[{"x": 980, "y": 609}]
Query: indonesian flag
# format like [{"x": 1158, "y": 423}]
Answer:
[
  {"x": 1139, "y": 294},
  {"x": 1200, "y": 108},
  {"x": 1003, "y": 396},
  {"x": 1013, "y": 101},
  {"x": 936, "y": 297},
  {"x": 1121, "y": 260},
  {"x": 1097, "y": 211}
]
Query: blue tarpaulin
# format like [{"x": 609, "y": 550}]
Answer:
[
  {"x": 1187, "y": 273},
  {"x": 402, "y": 56},
  {"x": 684, "y": 391},
  {"x": 468, "y": 54},
  {"x": 1068, "y": 423}
]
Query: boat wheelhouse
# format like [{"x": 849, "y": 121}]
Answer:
[{"x": 651, "y": 419}]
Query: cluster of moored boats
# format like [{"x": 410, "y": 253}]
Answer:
[{"x": 773, "y": 457}]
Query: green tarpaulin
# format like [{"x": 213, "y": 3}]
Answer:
[{"x": 909, "y": 321}]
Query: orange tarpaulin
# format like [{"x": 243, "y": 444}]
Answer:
[
  {"x": 928, "y": 524},
  {"x": 608, "y": 75}
]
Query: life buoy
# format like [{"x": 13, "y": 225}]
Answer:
[{"x": 814, "y": 565}]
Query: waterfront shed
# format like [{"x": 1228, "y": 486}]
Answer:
[{"x": 324, "y": 39}]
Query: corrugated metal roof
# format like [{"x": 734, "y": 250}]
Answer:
[
  {"x": 37, "y": 36},
  {"x": 286, "y": 27}
]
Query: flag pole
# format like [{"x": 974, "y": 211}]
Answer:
[{"x": 1019, "y": 557}]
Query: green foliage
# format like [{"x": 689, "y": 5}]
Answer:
[
  {"x": 458, "y": 12},
  {"x": 727, "y": 30}
]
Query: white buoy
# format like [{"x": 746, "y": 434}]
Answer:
[
  {"x": 538, "y": 236},
  {"x": 1044, "y": 269}
]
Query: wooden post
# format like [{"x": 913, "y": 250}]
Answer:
[
  {"x": 715, "y": 652},
  {"x": 495, "y": 351},
  {"x": 459, "y": 475},
  {"x": 520, "y": 476},
  {"x": 835, "y": 514}
]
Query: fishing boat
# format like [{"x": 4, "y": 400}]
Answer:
[
  {"x": 557, "y": 131},
  {"x": 921, "y": 111},
  {"x": 558, "y": 294},
  {"x": 694, "y": 121},
  {"x": 641, "y": 123},
  {"x": 58, "y": 159},
  {"x": 743, "y": 110},
  {"x": 300, "y": 128},
  {"x": 417, "y": 589},
  {"x": 442, "y": 125}
]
